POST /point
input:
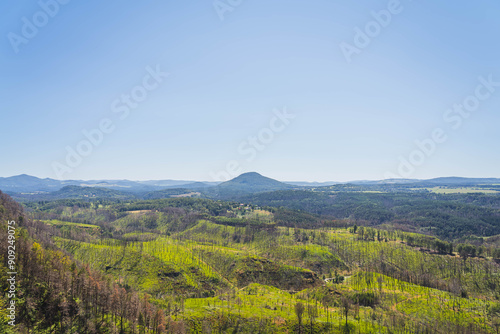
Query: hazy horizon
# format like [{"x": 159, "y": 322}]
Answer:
[
  {"x": 328, "y": 91},
  {"x": 276, "y": 178}
]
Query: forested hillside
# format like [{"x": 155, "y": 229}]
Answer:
[
  {"x": 447, "y": 216},
  {"x": 186, "y": 265},
  {"x": 54, "y": 293}
]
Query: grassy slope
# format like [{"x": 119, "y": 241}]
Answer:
[{"x": 209, "y": 271}]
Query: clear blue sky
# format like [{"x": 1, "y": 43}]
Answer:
[{"x": 353, "y": 120}]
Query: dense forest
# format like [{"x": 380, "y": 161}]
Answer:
[
  {"x": 191, "y": 265},
  {"x": 448, "y": 216}
]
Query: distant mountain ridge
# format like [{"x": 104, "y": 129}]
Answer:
[
  {"x": 23, "y": 182},
  {"x": 247, "y": 183},
  {"x": 30, "y": 184},
  {"x": 454, "y": 180}
]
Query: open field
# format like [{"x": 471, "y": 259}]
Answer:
[{"x": 462, "y": 190}]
